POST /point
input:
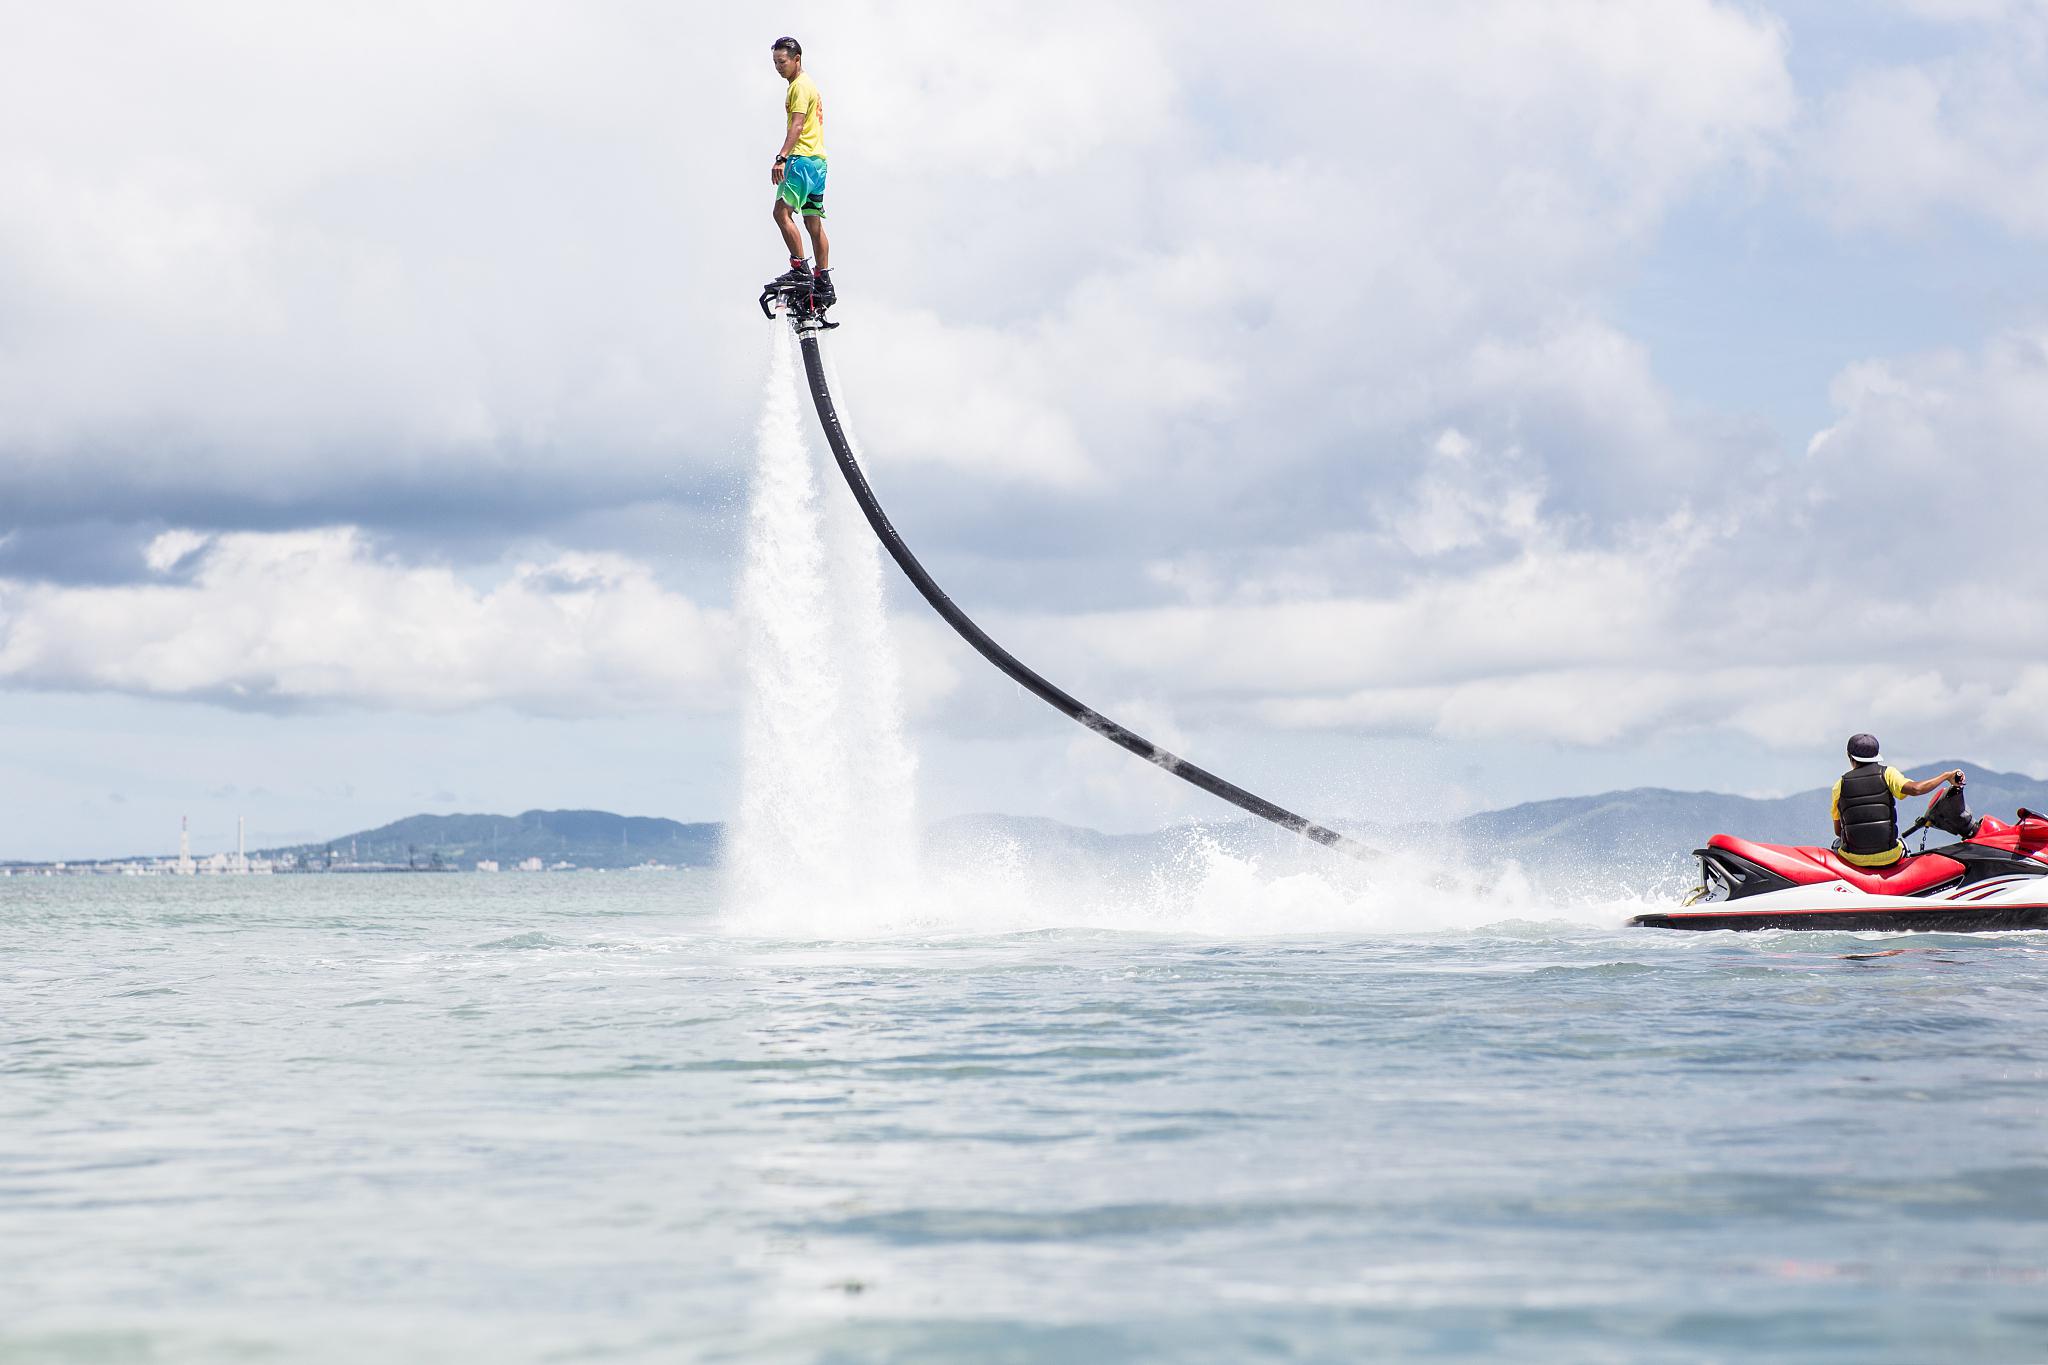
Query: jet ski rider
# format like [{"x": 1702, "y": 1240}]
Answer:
[{"x": 1866, "y": 805}]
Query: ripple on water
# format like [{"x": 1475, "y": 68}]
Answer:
[
  {"x": 531, "y": 941},
  {"x": 921, "y": 1226}
]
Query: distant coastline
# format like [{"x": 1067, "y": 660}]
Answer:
[
  {"x": 1631, "y": 837},
  {"x": 533, "y": 841}
]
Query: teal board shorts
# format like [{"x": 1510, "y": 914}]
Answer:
[{"x": 803, "y": 185}]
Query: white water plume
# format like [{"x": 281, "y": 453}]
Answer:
[
  {"x": 826, "y": 825},
  {"x": 872, "y": 680}
]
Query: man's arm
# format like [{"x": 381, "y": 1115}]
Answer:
[
  {"x": 796, "y": 130},
  {"x": 1954, "y": 775}
]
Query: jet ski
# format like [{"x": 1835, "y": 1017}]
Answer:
[{"x": 1995, "y": 877}]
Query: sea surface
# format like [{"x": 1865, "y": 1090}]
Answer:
[{"x": 582, "y": 1117}]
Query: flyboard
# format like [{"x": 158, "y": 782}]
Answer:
[{"x": 806, "y": 317}]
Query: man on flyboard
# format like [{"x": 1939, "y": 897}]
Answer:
[{"x": 799, "y": 179}]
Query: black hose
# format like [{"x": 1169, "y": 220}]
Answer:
[{"x": 842, "y": 451}]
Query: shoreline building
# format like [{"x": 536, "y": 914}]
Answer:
[{"x": 236, "y": 864}]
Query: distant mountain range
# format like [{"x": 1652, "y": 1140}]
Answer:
[
  {"x": 586, "y": 838},
  {"x": 1617, "y": 841}
]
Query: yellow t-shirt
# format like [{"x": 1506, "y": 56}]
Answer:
[
  {"x": 804, "y": 99},
  {"x": 1894, "y": 779}
]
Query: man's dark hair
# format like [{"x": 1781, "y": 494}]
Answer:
[{"x": 789, "y": 45}]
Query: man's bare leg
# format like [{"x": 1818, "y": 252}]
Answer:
[
  {"x": 821, "y": 247},
  {"x": 791, "y": 238}
]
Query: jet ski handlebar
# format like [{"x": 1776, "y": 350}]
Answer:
[{"x": 1949, "y": 813}]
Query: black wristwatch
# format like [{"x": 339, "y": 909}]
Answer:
[{"x": 780, "y": 160}]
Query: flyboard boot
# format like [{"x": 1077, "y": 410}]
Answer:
[{"x": 797, "y": 295}]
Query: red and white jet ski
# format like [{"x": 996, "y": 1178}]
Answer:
[{"x": 1996, "y": 878}]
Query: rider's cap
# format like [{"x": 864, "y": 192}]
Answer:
[
  {"x": 1863, "y": 749},
  {"x": 789, "y": 45}
]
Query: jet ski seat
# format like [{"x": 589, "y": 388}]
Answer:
[{"x": 1807, "y": 866}]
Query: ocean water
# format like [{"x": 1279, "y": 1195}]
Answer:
[{"x": 589, "y": 1117}]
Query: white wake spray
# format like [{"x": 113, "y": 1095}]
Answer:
[{"x": 826, "y": 826}]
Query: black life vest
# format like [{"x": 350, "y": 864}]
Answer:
[{"x": 1870, "y": 813}]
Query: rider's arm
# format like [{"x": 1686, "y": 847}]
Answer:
[{"x": 1922, "y": 788}]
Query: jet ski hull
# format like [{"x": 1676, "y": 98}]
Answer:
[
  {"x": 1914, "y": 919},
  {"x": 1995, "y": 880}
]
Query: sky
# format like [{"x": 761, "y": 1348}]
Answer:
[{"x": 1396, "y": 408}]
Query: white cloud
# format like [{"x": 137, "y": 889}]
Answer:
[
  {"x": 1793, "y": 707},
  {"x": 1464, "y": 498},
  {"x": 1889, "y": 581},
  {"x": 1614, "y": 442},
  {"x": 1896, "y": 145},
  {"x": 970, "y": 397},
  {"x": 1967, "y": 11},
  {"x": 318, "y": 618},
  {"x": 1401, "y": 187},
  {"x": 1933, "y": 453},
  {"x": 280, "y": 255},
  {"x": 170, "y": 549},
  {"x": 1545, "y": 607},
  {"x": 1045, "y": 85}
]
